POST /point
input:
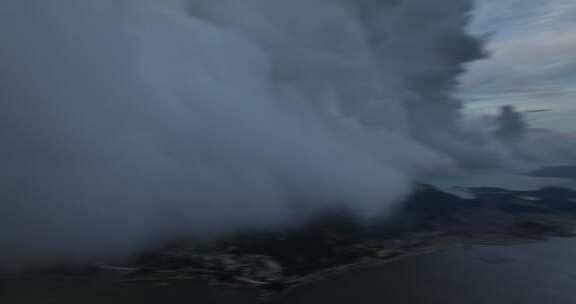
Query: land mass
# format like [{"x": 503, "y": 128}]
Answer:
[{"x": 274, "y": 262}]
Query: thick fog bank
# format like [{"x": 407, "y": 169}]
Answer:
[{"x": 127, "y": 122}]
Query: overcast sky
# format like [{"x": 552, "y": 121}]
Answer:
[{"x": 533, "y": 62}]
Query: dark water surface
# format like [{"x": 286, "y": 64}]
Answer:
[{"x": 526, "y": 274}]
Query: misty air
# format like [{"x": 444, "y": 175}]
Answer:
[{"x": 287, "y": 151}]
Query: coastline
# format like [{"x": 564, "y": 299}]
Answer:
[{"x": 271, "y": 265}]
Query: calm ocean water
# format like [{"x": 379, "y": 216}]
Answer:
[{"x": 526, "y": 274}]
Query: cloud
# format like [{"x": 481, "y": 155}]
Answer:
[
  {"x": 126, "y": 123},
  {"x": 532, "y": 58}
]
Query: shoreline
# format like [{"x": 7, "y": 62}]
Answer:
[{"x": 273, "y": 264}]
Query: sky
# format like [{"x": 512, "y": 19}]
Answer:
[{"x": 532, "y": 63}]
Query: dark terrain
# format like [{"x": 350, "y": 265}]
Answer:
[{"x": 263, "y": 266}]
